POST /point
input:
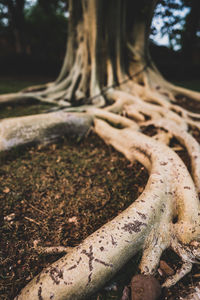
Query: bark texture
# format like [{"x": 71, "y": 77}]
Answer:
[{"x": 108, "y": 75}]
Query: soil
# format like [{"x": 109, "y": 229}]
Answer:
[{"x": 60, "y": 193}]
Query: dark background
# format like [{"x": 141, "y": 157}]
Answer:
[{"x": 33, "y": 37}]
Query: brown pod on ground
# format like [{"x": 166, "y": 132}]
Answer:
[
  {"x": 168, "y": 271},
  {"x": 145, "y": 288}
]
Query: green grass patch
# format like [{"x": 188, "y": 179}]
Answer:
[
  {"x": 12, "y": 85},
  {"x": 15, "y": 84},
  {"x": 9, "y": 111}
]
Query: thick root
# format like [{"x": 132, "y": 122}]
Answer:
[
  {"x": 37, "y": 88},
  {"x": 42, "y": 128},
  {"x": 187, "y": 141},
  {"x": 184, "y": 92}
]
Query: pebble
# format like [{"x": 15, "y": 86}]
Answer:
[{"x": 145, "y": 288}]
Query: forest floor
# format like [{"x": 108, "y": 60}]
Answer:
[{"x": 58, "y": 194}]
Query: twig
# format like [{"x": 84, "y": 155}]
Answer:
[
  {"x": 32, "y": 221},
  {"x": 41, "y": 211},
  {"x": 50, "y": 250}
]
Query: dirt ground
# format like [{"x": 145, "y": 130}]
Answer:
[{"x": 60, "y": 193}]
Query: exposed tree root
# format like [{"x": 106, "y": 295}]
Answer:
[
  {"x": 36, "y": 88},
  {"x": 148, "y": 224},
  {"x": 42, "y": 128}
]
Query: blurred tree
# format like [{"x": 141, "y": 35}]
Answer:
[
  {"x": 12, "y": 13},
  {"x": 53, "y": 5},
  {"x": 47, "y": 29},
  {"x": 190, "y": 37},
  {"x": 180, "y": 23},
  {"x": 32, "y": 35},
  {"x": 171, "y": 13}
]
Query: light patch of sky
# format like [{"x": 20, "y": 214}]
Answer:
[
  {"x": 29, "y": 3},
  {"x": 157, "y": 22}
]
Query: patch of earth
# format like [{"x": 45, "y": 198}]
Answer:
[{"x": 189, "y": 104}]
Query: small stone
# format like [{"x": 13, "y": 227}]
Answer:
[
  {"x": 145, "y": 288},
  {"x": 28, "y": 278},
  {"x": 167, "y": 270},
  {"x": 73, "y": 220},
  {"x": 6, "y": 190}
]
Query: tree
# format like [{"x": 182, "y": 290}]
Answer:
[
  {"x": 34, "y": 29},
  {"x": 109, "y": 81},
  {"x": 190, "y": 35},
  {"x": 181, "y": 23},
  {"x": 171, "y": 13},
  {"x": 46, "y": 30},
  {"x": 14, "y": 12}
]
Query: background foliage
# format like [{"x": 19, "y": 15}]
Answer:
[{"x": 33, "y": 37}]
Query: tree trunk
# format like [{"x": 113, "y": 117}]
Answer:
[
  {"x": 110, "y": 47},
  {"x": 108, "y": 74},
  {"x": 17, "y": 23}
]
